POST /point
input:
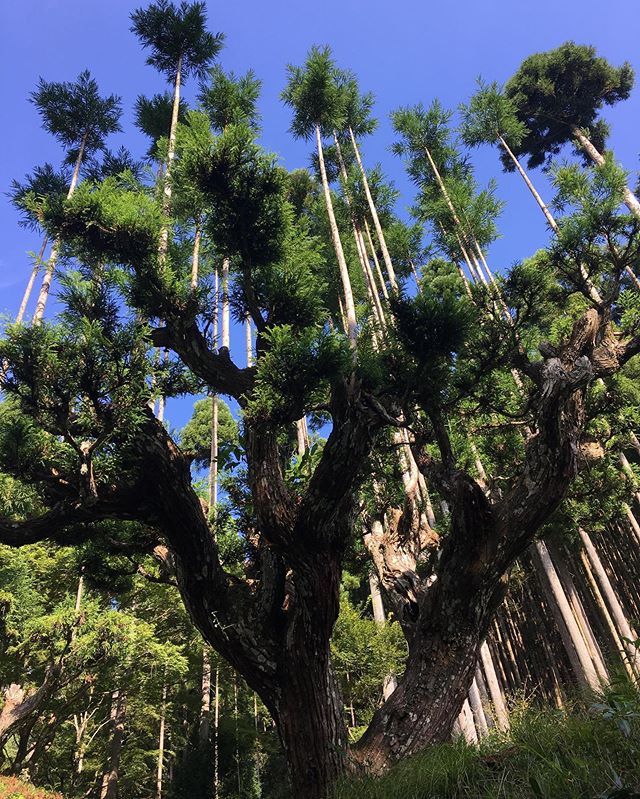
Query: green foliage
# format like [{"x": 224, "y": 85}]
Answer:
[
  {"x": 245, "y": 188},
  {"x": 555, "y": 91},
  {"x": 231, "y": 100},
  {"x": 153, "y": 117},
  {"x": 28, "y": 197},
  {"x": 315, "y": 95},
  {"x": 109, "y": 222},
  {"x": 177, "y": 38},
  {"x": 293, "y": 373},
  {"x": 365, "y": 653},
  {"x": 547, "y": 754},
  {"x": 489, "y": 116},
  {"x": 195, "y": 437},
  {"x": 75, "y": 112}
]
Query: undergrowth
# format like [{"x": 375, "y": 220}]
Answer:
[
  {"x": 584, "y": 752},
  {"x": 12, "y": 788}
]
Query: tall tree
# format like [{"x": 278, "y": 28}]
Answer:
[
  {"x": 45, "y": 182},
  {"x": 180, "y": 46},
  {"x": 267, "y": 596},
  {"x": 314, "y": 94},
  {"x": 80, "y": 120},
  {"x": 557, "y": 96}
]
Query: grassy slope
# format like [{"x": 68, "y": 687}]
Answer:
[{"x": 546, "y": 755}]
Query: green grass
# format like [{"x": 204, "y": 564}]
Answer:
[{"x": 578, "y": 754}]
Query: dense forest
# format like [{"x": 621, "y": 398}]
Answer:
[{"x": 402, "y": 525}]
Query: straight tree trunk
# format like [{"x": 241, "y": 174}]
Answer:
[
  {"x": 337, "y": 245},
  {"x": 593, "y": 292},
  {"x": 160, "y": 770},
  {"x": 225, "y": 315},
  {"x": 376, "y": 262},
  {"x": 602, "y": 605},
  {"x": 574, "y": 642},
  {"x": 495, "y": 692},
  {"x": 53, "y": 255},
  {"x": 171, "y": 152},
  {"x": 32, "y": 280},
  {"x": 478, "y": 710},
  {"x": 580, "y": 616},
  {"x": 216, "y": 736},
  {"x": 627, "y": 634},
  {"x": 195, "y": 257},
  {"x": 109, "y": 789},
  {"x": 205, "y": 699},
  {"x": 374, "y": 216},
  {"x": 548, "y": 215},
  {"x": 630, "y": 199}
]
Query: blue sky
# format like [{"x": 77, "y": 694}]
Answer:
[{"x": 405, "y": 52}]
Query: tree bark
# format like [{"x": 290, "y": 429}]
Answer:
[
  {"x": 32, "y": 279},
  {"x": 160, "y": 769},
  {"x": 337, "y": 245},
  {"x": 627, "y": 634},
  {"x": 574, "y": 642},
  {"x": 109, "y": 788},
  {"x": 53, "y": 255},
  {"x": 374, "y": 215}
]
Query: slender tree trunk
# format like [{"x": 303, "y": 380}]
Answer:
[
  {"x": 160, "y": 770},
  {"x": 109, "y": 789},
  {"x": 548, "y": 215},
  {"x": 602, "y": 605},
  {"x": 195, "y": 257},
  {"x": 478, "y": 710},
  {"x": 374, "y": 216},
  {"x": 593, "y": 292},
  {"x": 337, "y": 245},
  {"x": 248, "y": 339},
  {"x": 216, "y": 736},
  {"x": 376, "y": 262},
  {"x": 380, "y": 617},
  {"x": 53, "y": 255},
  {"x": 630, "y": 199},
  {"x": 205, "y": 699},
  {"x": 495, "y": 692},
  {"x": 32, "y": 279},
  {"x": 627, "y": 634},
  {"x": 574, "y": 642},
  {"x": 580, "y": 615},
  {"x": 225, "y": 316},
  {"x": 171, "y": 152}
]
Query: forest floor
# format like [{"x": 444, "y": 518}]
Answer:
[
  {"x": 591, "y": 751},
  {"x": 12, "y": 788}
]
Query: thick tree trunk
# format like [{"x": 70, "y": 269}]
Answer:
[
  {"x": 423, "y": 708},
  {"x": 216, "y": 736},
  {"x": 311, "y": 725}
]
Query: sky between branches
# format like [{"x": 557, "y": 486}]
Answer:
[{"x": 405, "y": 52}]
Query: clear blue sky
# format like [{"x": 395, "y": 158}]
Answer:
[{"x": 405, "y": 52}]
